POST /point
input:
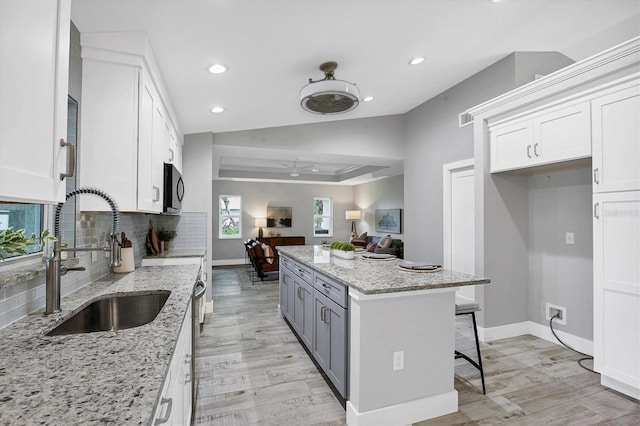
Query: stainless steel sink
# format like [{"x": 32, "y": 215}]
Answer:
[{"x": 113, "y": 313}]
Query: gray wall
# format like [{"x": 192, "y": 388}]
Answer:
[
  {"x": 559, "y": 273},
  {"x": 382, "y": 194},
  {"x": 433, "y": 138},
  {"x": 380, "y": 136},
  {"x": 256, "y": 197}
]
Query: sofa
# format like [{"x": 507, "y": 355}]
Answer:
[{"x": 366, "y": 241}]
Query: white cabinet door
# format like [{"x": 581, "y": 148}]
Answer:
[
  {"x": 173, "y": 146},
  {"x": 34, "y": 81},
  {"x": 150, "y": 148},
  {"x": 511, "y": 146},
  {"x": 562, "y": 135},
  {"x": 616, "y": 141},
  {"x": 109, "y": 123},
  {"x": 616, "y": 275},
  {"x": 547, "y": 137},
  {"x": 174, "y": 405}
]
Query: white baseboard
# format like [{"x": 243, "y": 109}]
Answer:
[
  {"x": 538, "y": 330},
  {"x": 407, "y": 412},
  {"x": 503, "y": 331},
  {"x": 224, "y": 262}
]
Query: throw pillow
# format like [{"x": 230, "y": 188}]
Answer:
[
  {"x": 385, "y": 242},
  {"x": 362, "y": 236},
  {"x": 371, "y": 247},
  {"x": 268, "y": 253}
]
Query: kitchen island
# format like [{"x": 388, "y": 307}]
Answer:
[{"x": 399, "y": 331}]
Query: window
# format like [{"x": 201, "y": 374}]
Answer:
[
  {"x": 23, "y": 216},
  {"x": 322, "y": 217},
  {"x": 230, "y": 214}
]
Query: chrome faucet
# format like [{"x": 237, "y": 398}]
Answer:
[{"x": 54, "y": 268}]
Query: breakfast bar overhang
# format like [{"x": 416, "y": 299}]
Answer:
[{"x": 400, "y": 335}]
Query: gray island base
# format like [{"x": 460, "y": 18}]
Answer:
[{"x": 393, "y": 361}]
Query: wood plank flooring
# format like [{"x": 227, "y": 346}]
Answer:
[{"x": 253, "y": 371}]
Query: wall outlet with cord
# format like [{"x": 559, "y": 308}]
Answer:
[{"x": 557, "y": 312}]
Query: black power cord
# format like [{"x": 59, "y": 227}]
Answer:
[{"x": 587, "y": 357}]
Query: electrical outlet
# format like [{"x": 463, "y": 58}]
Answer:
[
  {"x": 398, "y": 360},
  {"x": 568, "y": 237},
  {"x": 94, "y": 254},
  {"x": 560, "y": 311}
]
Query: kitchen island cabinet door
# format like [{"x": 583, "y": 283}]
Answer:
[
  {"x": 287, "y": 293},
  {"x": 303, "y": 315},
  {"x": 34, "y": 81},
  {"x": 330, "y": 340}
]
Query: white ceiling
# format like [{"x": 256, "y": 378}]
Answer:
[{"x": 272, "y": 48}]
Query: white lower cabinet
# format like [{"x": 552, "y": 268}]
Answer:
[
  {"x": 174, "y": 405},
  {"x": 616, "y": 276}
]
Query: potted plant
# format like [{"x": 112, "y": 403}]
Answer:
[
  {"x": 15, "y": 243},
  {"x": 343, "y": 250},
  {"x": 165, "y": 236}
]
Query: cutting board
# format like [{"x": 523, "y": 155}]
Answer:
[{"x": 155, "y": 242}]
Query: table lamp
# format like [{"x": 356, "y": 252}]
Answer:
[
  {"x": 260, "y": 223},
  {"x": 353, "y": 215}
]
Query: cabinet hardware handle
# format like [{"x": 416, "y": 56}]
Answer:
[
  {"x": 171, "y": 158},
  {"x": 71, "y": 159},
  {"x": 187, "y": 378},
  {"x": 529, "y": 151},
  {"x": 156, "y": 192},
  {"x": 325, "y": 315},
  {"x": 535, "y": 149},
  {"x": 169, "y": 402},
  {"x": 187, "y": 359},
  {"x": 596, "y": 210},
  {"x": 596, "y": 178},
  {"x": 322, "y": 313},
  {"x": 325, "y": 285}
]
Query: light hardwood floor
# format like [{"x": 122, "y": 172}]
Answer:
[{"x": 253, "y": 371}]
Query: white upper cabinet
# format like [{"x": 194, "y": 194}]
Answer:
[
  {"x": 125, "y": 123},
  {"x": 34, "y": 81},
  {"x": 616, "y": 140},
  {"x": 546, "y": 137},
  {"x": 173, "y": 146}
]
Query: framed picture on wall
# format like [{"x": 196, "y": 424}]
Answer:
[
  {"x": 278, "y": 217},
  {"x": 388, "y": 221}
]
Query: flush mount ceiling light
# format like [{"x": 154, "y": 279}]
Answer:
[
  {"x": 329, "y": 96},
  {"x": 416, "y": 61},
  {"x": 217, "y": 69},
  {"x": 217, "y": 109},
  {"x": 368, "y": 99}
]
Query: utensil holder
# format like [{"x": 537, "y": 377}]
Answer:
[{"x": 127, "y": 263}]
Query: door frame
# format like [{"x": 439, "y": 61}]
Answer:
[{"x": 447, "y": 171}]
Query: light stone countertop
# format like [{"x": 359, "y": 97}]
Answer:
[
  {"x": 376, "y": 276},
  {"x": 93, "y": 378}
]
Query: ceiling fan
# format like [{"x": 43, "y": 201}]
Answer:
[{"x": 294, "y": 169}]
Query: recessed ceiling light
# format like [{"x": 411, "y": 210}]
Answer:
[
  {"x": 494, "y": 1},
  {"x": 217, "y": 69},
  {"x": 367, "y": 99},
  {"x": 217, "y": 109},
  {"x": 416, "y": 61}
]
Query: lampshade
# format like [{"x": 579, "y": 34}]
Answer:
[
  {"x": 353, "y": 214},
  {"x": 261, "y": 222}
]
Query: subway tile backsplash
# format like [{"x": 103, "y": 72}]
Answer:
[{"x": 17, "y": 300}]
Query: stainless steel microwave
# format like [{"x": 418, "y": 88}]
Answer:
[{"x": 173, "y": 190}]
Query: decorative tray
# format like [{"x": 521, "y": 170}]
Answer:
[
  {"x": 378, "y": 256},
  {"x": 418, "y": 267}
]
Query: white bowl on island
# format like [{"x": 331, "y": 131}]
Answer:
[{"x": 343, "y": 254}]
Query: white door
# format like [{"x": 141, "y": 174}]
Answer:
[{"x": 459, "y": 217}]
